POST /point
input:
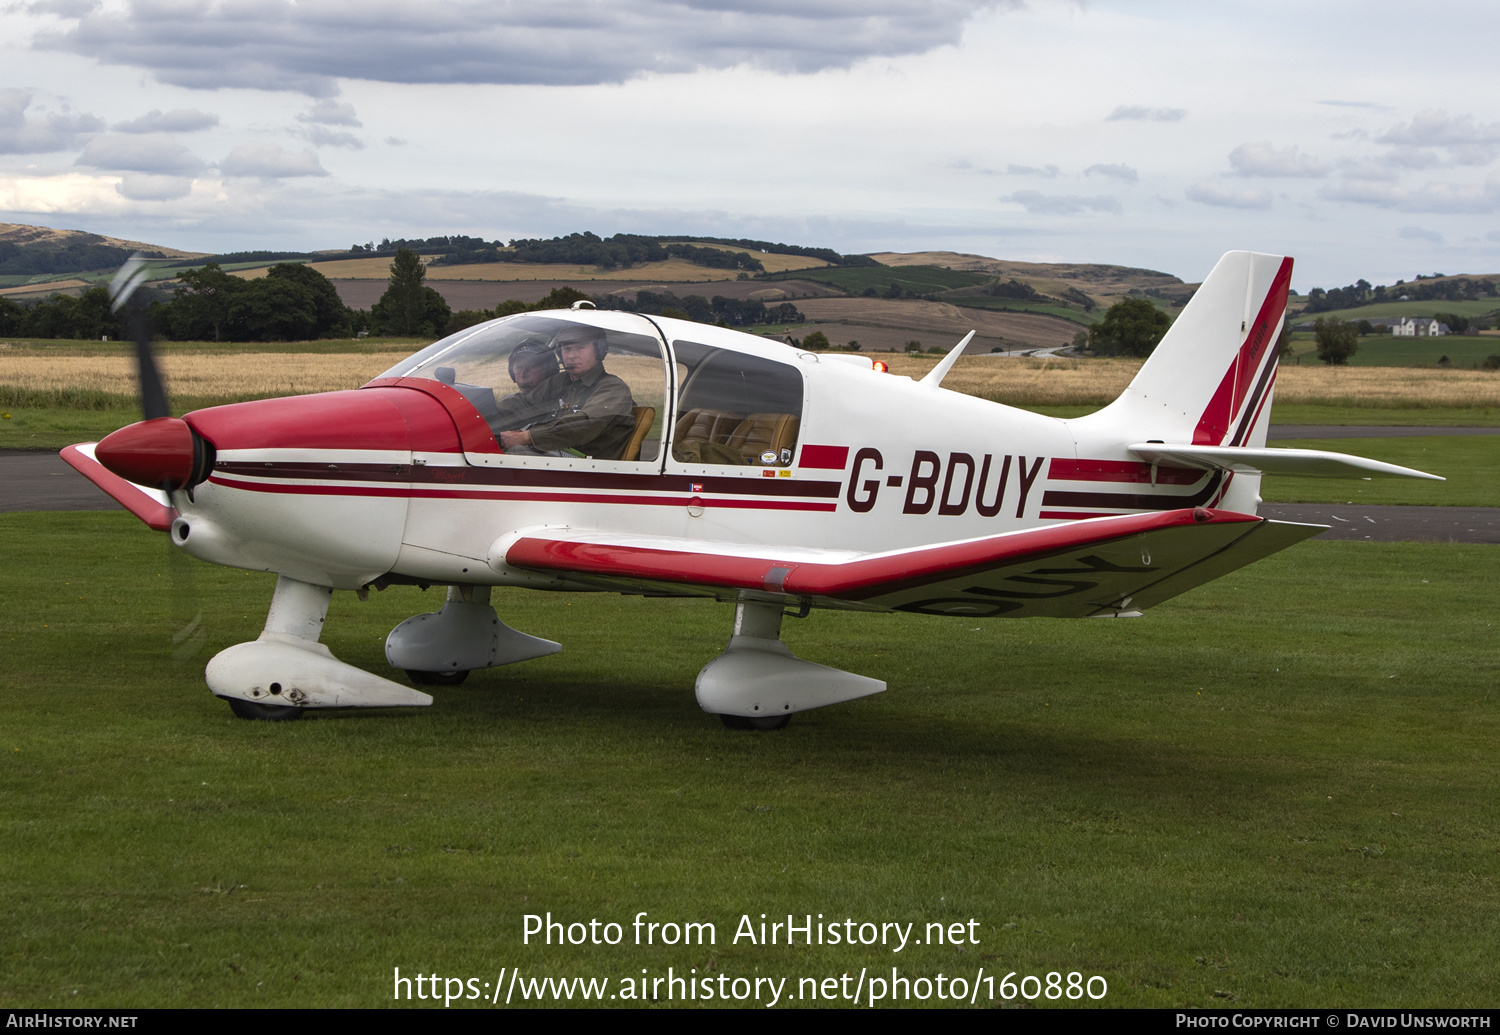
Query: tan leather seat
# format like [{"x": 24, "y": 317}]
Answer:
[
  {"x": 645, "y": 416},
  {"x": 760, "y": 432}
]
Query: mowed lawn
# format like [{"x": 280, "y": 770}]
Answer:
[{"x": 1276, "y": 790}]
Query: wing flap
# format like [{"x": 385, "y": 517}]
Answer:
[
  {"x": 1317, "y": 463},
  {"x": 1070, "y": 570}
]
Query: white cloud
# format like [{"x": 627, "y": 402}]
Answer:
[
  {"x": 146, "y": 153},
  {"x": 322, "y": 136},
  {"x": 270, "y": 161},
  {"x": 1216, "y": 192},
  {"x": 1431, "y": 197},
  {"x": 43, "y": 134},
  {"x": 282, "y": 45},
  {"x": 179, "y": 120},
  {"x": 1417, "y": 233},
  {"x": 1063, "y": 204},
  {"x": 153, "y": 187},
  {"x": 1119, "y": 172},
  {"x": 330, "y": 113},
  {"x": 1261, "y": 159},
  {"x": 1140, "y": 113},
  {"x": 1466, "y": 141},
  {"x": 1046, "y": 171}
]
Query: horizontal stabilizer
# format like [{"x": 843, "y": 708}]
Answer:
[
  {"x": 1317, "y": 463},
  {"x": 1098, "y": 566}
]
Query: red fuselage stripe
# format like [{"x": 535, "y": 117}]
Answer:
[{"x": 397, "y": 492}]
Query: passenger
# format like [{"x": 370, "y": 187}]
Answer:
[{"x": 590, "y": 409}]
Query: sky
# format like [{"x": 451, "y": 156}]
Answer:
[{"x": 1362, "y": 138}]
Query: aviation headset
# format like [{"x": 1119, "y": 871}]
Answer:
[{"x": 578, "y": 334}]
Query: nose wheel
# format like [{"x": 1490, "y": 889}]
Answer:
[
  {"x": 437, "y": 678},
  {"x": 745, "y": 722}
]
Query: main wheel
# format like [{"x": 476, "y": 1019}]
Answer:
[
  {"x": 437, "y": 678},
  {"x": 746, "y": 722},
  {"x": 263, "y": 712}
]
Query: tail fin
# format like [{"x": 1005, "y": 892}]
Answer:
[{"x": 1209, "y": 381}]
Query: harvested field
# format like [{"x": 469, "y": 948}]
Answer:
[
  {"x": 945, "y": 324},
  {"x": 43, "y": 290},
  {"x": 1016, "y": 381},
  {"x": 199, "y": 375},
  {"x": 1094, "y": 382}
]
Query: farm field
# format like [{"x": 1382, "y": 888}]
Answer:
[
  {"x": 1380, "y": 310},
  {"x": 1019, "y": 305},
  {"x": 917, "y": 279},
  {"x": 72, "y": 392},
  {"x": 935, "y": 320},
  {"x": 1276, "y": 790}
]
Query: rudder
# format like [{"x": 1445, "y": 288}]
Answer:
[{"x": 1209, "y": 381}]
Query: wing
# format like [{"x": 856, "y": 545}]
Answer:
[
  {"x": 1100, "y": 566},
  {"x": 150, "y": 505}
]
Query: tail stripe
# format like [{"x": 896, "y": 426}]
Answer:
[{"x": 1229, "y": 397}]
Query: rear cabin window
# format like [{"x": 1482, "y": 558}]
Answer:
[
  {"x": 555, "y": 387},
  {"x": 734, "y": 409}
]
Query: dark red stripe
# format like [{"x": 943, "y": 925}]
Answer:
[
  {"x": 526, "y": 477},
  {"x": 825, "y": 458},
  {"x": 503, "y": 496},
  {"x": 1063, "y": 469}
]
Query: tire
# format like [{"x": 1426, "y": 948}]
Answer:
[
  {"x": 263, "y": 712},
  {"x": 746, "y": 722},
  {"x": 437, "y": 678}
]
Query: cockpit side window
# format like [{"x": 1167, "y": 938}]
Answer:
[
  {"x": 734, "y": 409},
  {"x": 555, "y": 387}
]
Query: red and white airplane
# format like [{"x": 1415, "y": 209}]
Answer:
[{"x": 606, "y": 451}]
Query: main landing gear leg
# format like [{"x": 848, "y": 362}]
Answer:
[
  {"x": 757, "y": 683},
  {"x": 286, "y": 670},
  {"x": 442, "y": 647}
]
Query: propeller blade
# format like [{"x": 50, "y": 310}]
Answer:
[{"x": 127, "y": 292}]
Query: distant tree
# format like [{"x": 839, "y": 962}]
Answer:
[
  {"x": 1491, "y": 362},
  {"x": 1081, "y": 340},
  {"x": 201, "y": 307},
  {"x": 1337, "y": 340},
  {"x": 560, "y": 298},
  {"x": 11, "y": 317},
  {"x": 332, "y": 316},
  {"x": 409, "y": 308},
  {"x": 815, "y": 340},
  {"x": 272, "y": 309},
  {"x": 1364, "y": 327},
  {"x": 1284, "y": 342},
  {"x": 1457, "y": 324},
  {"x": 1130, "y": 328}
]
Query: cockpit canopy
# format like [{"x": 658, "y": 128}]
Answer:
[{"x": 731, "y": 408}]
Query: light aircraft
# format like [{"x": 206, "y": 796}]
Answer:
[{"x": 721, "y": 465}]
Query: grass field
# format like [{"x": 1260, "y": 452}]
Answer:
[
  {"x": 1277, "y": 790},
  {"x": 1470, "y": 463},
  {"x": 1476, "y": 308}
]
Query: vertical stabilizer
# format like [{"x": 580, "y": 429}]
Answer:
[{"x": 1209, "y": 382}]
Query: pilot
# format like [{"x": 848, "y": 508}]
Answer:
[
  {"x": 590, "y": 407},
  {"x": 532, "y": 363}
]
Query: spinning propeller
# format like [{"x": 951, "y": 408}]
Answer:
[{"x": 161, "y": 450}]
